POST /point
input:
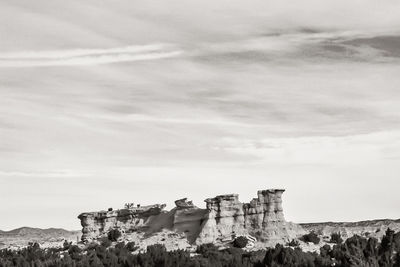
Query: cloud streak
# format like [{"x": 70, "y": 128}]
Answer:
[
  {"x": 299, "y": 44},
  {"x": 76, "y": 57},
  {"x": 305, "y": 45},
  {"x": 355, "y": 149}
]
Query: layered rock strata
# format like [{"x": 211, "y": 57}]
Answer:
[
  {"x": 224, "y": 218},
  {"x": 187, "y": 218},
  {"x": 97, "y": 224},
  {"x": 262, "y": 217}
]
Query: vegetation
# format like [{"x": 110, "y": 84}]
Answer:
[
  {"x": 336, "y": 238},
  {"x": 355, "y": 251},
  {"x": 311, "y": 237},
  {"x": 113, "y": 235},
  {"x": 131, "y": 246},
  {"x": 240, "y": 242},
  {"x": 105, "y": 242},
  {"x": 294, "y": 243}
]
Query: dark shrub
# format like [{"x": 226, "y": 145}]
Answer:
[
  {"x": 66, "y": 245},
  {"x": 74, "y": 249},
  {"x": 120, "y": 245},
  {"x": 75, "y": 252},
  {"x": 105, "y": 242},
  {"x": 92, "y": 245},
  {"x": 336, "y": 238},
  {"x": 311, "y": 237},
  {"x": 240, "y": 242},
  {"x": 294, "y": 243},
  {"x": 131, "y": 246},
  {"x": 324, "y": 251},
  {"x": 281, "y": 256},
  {"x": 113, "y": 235},
  {"x": 207, "y": 249}
]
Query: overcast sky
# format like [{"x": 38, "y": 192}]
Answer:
[{"x": 108, "y": 102}]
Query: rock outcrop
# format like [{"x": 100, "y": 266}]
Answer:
[
  {"x": 223, "y": 219},
  {"x": 187, "y": 218},
  {"x": 97, "y": 224},
  {"x": 184, "y": 203},
  {"x": 262, "y": 218}
]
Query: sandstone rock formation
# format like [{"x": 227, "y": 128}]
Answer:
[
  {"x": 183, "y": 203},
  {"x": 262, "y": 217},
  {"x": 223, "y": 219},
  {"x": 187, "y": 219},
  {"x": 97, "y": 224}
]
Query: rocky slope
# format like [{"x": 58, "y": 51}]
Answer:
[{"x": 223, "y": 219}]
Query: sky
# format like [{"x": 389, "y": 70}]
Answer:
[{"x": 108, "y": 102}]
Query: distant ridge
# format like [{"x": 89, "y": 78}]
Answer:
[
  {"x": 368, "y": 228},
  {"x": 30, "y": 230},
  {"x": 353, "y": 224},
  {"x": 23, "y": 235}
]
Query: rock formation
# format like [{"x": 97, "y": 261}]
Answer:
[
  {"x": 223, "y": 219},
  {"x": 97, "y": 224},
  {"x": 262, "y": 217},
  {"x": 187, "y": 218},
  {"x": 184, "y": 203}
]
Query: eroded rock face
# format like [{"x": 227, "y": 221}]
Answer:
[
  {"x": 223, "y": 219},
  {"x": 262, "y": 217},
  {"x": 96, "y": 224},
  {"x": 184, "y": 203},
  {"x": 187, "y": 218}
]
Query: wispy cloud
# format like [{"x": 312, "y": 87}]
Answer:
[
  {"x": 171, "y": 120},
  {"x": 74, "y": 57},
  {"x": 293, "y": 45},
  {"x": 355, "y": 149},
  {"x": 305, "y": 45}
]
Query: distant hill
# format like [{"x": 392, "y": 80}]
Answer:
[
  {"x": 46, "y": 237},
  {"x": 378, "y": 222},
  {"x": 28, "y": 231},
  {"x": 370, "y": 228}
]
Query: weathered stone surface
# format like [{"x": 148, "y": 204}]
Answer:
[
  {"x": 96, "y": 224},
  {"x": 184, "y": 203},
  {"x": 262, "y": 217},
  {"x": 187, "y": 218},
  {"x": 223, "y": 219}
]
